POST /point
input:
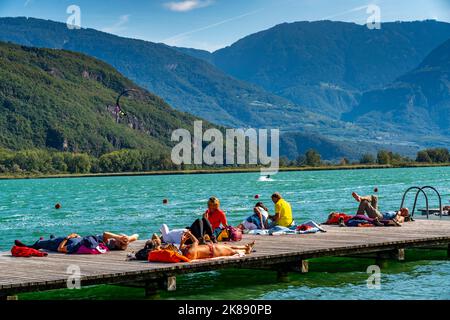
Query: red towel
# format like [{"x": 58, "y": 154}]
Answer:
[
  {"x": 27, "y": 252},
  {"x": 335, "y": 216}
]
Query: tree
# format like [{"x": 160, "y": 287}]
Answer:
[
  {"x": 439, "y": 155},
  {"x": 383, "y": 157},
  {"x": 423, "y": 156},
  {"x": 301, "y": 160},
  {"x": 313, "y": 158},
  {"x": 284, "y": 162},
  {"x": 367, "y": 158}
]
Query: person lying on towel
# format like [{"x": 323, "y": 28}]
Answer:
[
  {"x": 368, "y": 205},
  {"x": 75, "y": 244},
  {"x": 196, "y": 250}
]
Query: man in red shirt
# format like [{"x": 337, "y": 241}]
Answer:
[{"x": 215, "y": 215}]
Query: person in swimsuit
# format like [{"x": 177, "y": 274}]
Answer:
[{"x": 196, "y": 250}]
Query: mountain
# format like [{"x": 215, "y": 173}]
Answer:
[
  {"x": 418, "y": 101},
  {"x": 61, "y": 100},
  {"x": 54, "y": 99},
  {"x": 197, "y": 53},
  {"x": 186, "y": 83},
  {"x": 327, "y": 65}
]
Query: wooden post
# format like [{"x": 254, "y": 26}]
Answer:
[
  {"x": 282, "y": 275},
  {"x": 400, "y": 254},
  {"x": 397, "y": 254},
  {"x": 170, "y": 283},
  {"x": 8, "y": 298},
  {"x": 151, "y": 289},
  {"x": 304, "y": 266}
]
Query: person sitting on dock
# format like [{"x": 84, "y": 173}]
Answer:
[
  {"x": 258, "y": 220},
  {"x": 75, "y": 244},
  {"x": 196, "y": 250},
  {"x": 215, "y": 215},
  {"x": 283, "y": 212}
]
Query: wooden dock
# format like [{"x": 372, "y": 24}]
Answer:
[{"x": 282, "y": 253}]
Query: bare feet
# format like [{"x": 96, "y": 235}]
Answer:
[
  {"x": 356, "y": 196},
  {"x": 249, "y": 247}
]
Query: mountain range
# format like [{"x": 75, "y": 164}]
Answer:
[
  {"x": 327, "y": 65},
  {"x": 418, "y": 100},
  {"x": 317, "y": 81},
  {"x": 186, "y": 83}
]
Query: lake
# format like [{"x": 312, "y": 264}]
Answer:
[{"x": 134, "y": 205}]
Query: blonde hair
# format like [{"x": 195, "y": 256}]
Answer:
[{"x": 214, "y": 201}]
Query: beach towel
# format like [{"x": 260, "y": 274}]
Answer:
[
  {"x": 167, "y": 256},
  {"x": 25, "y": 252},
  {"x": 306, "y": 228}
]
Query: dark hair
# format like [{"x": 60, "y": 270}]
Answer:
[{"x": 261, "y": 205}]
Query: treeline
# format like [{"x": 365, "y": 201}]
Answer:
[
  {"x": 47, "y": 162},
  {"x": 313, "y": 158},
  {"x": 51, "y": 162}
]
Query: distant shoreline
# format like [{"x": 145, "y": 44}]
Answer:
[{"x": 218, "y": 171}]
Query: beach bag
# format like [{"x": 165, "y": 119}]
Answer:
[
  {"x": 100, "y": 249},
  {"x": 235, "y": 234},
  {"x": 222, "y": 235},
  {"x": 167, "y": 256},
  {"x": 230, "y": 234}
]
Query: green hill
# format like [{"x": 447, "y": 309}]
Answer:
[{"x": 60, "y": 100}]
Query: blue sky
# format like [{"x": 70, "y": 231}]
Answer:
[{"x": 213, "y": 24}]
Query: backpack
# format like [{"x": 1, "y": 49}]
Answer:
[{"x": 230, "y": 234}]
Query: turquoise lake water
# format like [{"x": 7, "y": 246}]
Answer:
[{"x": 134, "y": 205}]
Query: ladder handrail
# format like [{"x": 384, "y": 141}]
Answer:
[
  {"x": 426, "y": 200},
  {"x": 439, "y": 196},
  {"x": 415, "y": 200}
]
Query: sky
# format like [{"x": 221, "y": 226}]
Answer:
[{"x": 214, "y": 24}]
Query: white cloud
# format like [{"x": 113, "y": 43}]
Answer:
[
  {"x": 119, "y": 25},
  {"x": 187, "y": 5},
  {"x": 27, "y": 2}
]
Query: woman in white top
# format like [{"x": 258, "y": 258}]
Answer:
[{"x": 258, "y": 220}]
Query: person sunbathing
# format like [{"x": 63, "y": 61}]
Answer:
[
  {"x": 74, "y": 242},
  {"x": 208, "y": 250}
]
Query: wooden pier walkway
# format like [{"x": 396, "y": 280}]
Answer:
[{"x": 282, "y": 253}]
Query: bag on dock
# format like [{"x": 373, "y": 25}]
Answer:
[
  {"x": 25, "y": 252},
  {"x": 168, "y": 256},
  {"x": 230, "y": 234}
]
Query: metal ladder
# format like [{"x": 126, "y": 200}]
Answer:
[{"x": 421, "y": 190}]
